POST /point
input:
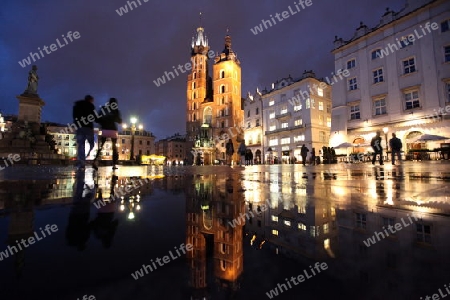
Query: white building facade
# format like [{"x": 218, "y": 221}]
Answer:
[
  {"x": 296, "y": 112},
  {"x": 399, "y": 78},
  {"x": 253, "y": 126}
]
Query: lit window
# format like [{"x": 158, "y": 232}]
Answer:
[
  {"x": 378, "y": 76},
  {"x": 352, "y": 84},
  {"x": 287, "y": 223},
  {"x": 322, "y": 137},
  {"x": 320, "y": 92},
  {"x": 284, "y": 125},
  {"x": 314, "y": 231},
  {"x": 283, "y": 110},
  {"x": 297, "y": 107},
  {"x": 379, "y": 107},
  {"x": 301, "y": 226},
  {"x": 275, "y": 232},
  {"x": 351, "y": 64},
  {"x": 272, "y": 127},
  {"x": 412, "y": 99},
  {"x": 274, "y": 218},
  {"x": 273, "y": 142},
  {"x": 299, "y": 138},
  {"x": 409, "y": 66},
  {"x": 285, "y": 141},
  {"x": 308, "y": 103},
  {"x": 326, "y": 228},
  {"x": 328, "y": 121},
  {"x": 298, "y": 122},
  {"x": 271, "y": 102},
  {"x": 320, "y": 105},
  {"x": 272, "y": 115}
]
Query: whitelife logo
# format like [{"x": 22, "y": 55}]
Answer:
[
  {"x": 35, "y": 56},
  {"x": 371, "y": 241},
  {"x": 124, "y": 9},
  {"x": 165, "y": 260},
  {"x": 410, "y": 38},
  {"x": 280, "y": 17},
  {"x": 274, "y": 292},
  {"x": 31, "y": 240}
]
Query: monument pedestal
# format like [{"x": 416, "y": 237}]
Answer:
[{"x": 30, "y": 108}]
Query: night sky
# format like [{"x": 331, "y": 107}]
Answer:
[{"x": 121, "y": 56}]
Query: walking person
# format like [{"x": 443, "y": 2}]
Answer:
[
  {"x": 242, "y": 150},
  {"x": 375, "y": 143},
  {"x": 396, "y": 146},
  {"x": 109, "y": 129},
  {"x": 250, "y": 156},
  {"x": 83, "y": 114},
  {"x": 304, "y": 152},
  {"x": 229, "y": 151},
  {"x": 313, "y": 156}
]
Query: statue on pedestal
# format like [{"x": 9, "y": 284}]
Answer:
[{"x": 33, "y": 79}]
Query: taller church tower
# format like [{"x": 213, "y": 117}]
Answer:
[{"x": 198, "y": 84}]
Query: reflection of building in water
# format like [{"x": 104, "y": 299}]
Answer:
[
  {"x": 212, "y": 202},
  {"x": 296, "y": 218},
  {"x": 409, "y": 261}
]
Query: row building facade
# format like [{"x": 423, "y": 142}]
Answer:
[
  {"x": 293, "y": 113},
  {"x": 399, "y": 78}
]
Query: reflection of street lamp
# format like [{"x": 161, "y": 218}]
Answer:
[{"x": 385, "y": 130}]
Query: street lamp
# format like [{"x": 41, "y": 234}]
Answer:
[
  {"x": 385, "y": 130},
  {"x": 133, "y": 121}
]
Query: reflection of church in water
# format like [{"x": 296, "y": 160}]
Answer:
[{"x": 217, "y": 258}]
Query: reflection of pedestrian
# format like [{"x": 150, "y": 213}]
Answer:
[
  {"x": 304, "y": 152},
  {"x": 104, "y": 226},
  {"x": 83, "y": 117},
  {"x": 396, "y": 146},
  {"x": 78, "y": 228},
  {"x": 109, "y": 128},
  {"x": 313, "y": 156},
  {"x": 242, "y": 150},
  {"x": 229, "y": 151},
  {"x": 377, "y": 149}
]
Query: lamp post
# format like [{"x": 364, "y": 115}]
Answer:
[
  {"x": 133, "y": 122},
  {"x": 385, "y": 130}
]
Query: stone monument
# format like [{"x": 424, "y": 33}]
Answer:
[
  {"x": 30, "y": 104},
  {"x": 27, "y": 136}
]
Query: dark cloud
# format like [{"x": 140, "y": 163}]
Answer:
[{"x": 120, "y": 56}]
